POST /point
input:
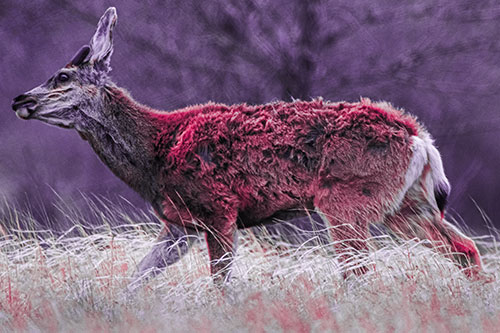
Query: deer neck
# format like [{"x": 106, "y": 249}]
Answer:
[{"x": 123, "y": 137}]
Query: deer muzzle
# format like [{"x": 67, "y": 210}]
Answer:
[{"x": 24, "y": 105}]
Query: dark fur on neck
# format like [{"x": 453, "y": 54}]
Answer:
[{"x": 123, "y": 141}]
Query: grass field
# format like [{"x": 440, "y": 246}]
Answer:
[{"x": 78, "y": 283}]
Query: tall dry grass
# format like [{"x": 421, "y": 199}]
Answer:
[{"x": 78, "y": 282}]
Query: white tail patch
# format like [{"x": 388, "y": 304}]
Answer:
[
  {"x": 415, "y": 168},
  {"x": 441, "y": 184},
  {"x": 437, "y": 171},
  {"x": 425, "y": 153}
]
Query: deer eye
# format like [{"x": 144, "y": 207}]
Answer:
[{"x": 62, "y": 77}]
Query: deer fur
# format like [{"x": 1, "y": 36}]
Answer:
[{"x": 217, "y": 168}]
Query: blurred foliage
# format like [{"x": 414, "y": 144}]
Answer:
[{"x": 437, "y": 60}]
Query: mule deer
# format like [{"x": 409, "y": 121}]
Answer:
[{"x": 217, "y": 168}]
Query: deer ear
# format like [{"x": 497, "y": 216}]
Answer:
[
  {"x": 80, "y": 57},
  {"x": 101, "y": 45}
]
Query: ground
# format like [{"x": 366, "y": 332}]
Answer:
[{"x": 79, "y": 284}]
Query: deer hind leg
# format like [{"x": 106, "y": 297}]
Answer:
[
  {"x": 292, "y": 227},
  {"x": 350, "y": 209},
  {"x": 417, "y": 218},
  {"x": 421, "y": 215},
  {"x": 421, "y": 212},
  {"x": 463, "y": 248},
  {"x": 171, "y": 245}
]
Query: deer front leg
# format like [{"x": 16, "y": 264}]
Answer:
[
  {"x": 171, "y": 245},
  {"x": 221, "y": 249}
]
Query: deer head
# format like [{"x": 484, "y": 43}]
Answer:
[{"x": 68, "y": 98}]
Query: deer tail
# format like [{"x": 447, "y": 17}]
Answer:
[{"x": 440, "y": 183}]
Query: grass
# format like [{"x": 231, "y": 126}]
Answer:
[{"x": 78, "y": 283}]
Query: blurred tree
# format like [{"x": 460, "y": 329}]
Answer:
[{"x": 438, "y": 60}]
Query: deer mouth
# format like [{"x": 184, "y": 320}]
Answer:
[
  {"x": 24, "y": 113},
  {"x": 27, "y": 113},
  {"x": 26, "y": 109}
]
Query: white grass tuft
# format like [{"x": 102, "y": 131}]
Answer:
[{"x": 79, "y": 284}]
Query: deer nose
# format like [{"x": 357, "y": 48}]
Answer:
[
  {"x": 24, "y": 105},
  {"x": 25, "y": 101}
]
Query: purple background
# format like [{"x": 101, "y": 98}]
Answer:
[{"x": 437, "y": 60}]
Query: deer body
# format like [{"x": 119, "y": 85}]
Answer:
[
  {"x": 215, "y": 168},
  {"x": 255, "y": 160}
]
